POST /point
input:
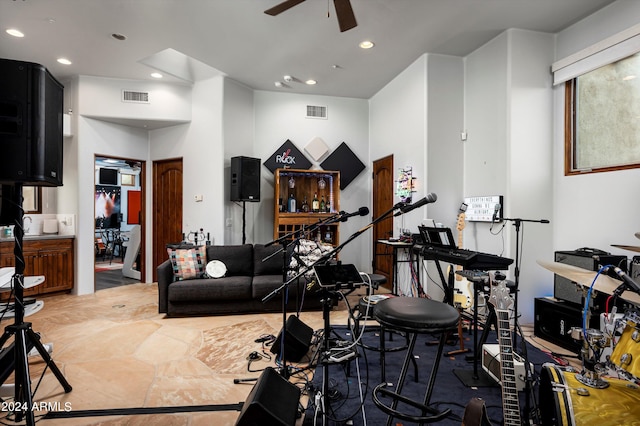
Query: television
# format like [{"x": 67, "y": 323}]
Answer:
[{"x": 108, "y": 176}]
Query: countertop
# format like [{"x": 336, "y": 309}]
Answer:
[{"x": 37, "y": 237}]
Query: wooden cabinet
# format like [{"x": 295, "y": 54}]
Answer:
[
  {"x": 309, "y": 185},
  {"x": 52, "y": 258}
]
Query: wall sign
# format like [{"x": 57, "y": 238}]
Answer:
[
  {"x": 482, "y": 208},
  {"x": 287, "y": 156}
]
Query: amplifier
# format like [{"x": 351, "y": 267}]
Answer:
[
  {"x": 553, "y": 320},
  {"x": 634, "y": 267},
  {"x": 491, "y": 364},
  {"x": 585, "y": 258}
]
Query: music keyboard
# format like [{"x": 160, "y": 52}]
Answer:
[{"x": 468, "y": 259}]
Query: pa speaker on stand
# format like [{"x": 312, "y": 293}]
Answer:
[{"x": 245, "y": 184}]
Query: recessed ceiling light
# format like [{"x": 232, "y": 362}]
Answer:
[
  {"x": 278, "y": 84},
  {"x": 629, "y": 77},
  {"x": 311, "y": 82},
  {"x": 366, "y": 44},
  {"x": 64, "y": 61},
  {"x": 14, "y": 32},
  {"x": 119, "y": 37},
  {"x": 156, "y": 75}
]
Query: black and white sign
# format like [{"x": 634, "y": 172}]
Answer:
[{"x": 289, "y": 156}]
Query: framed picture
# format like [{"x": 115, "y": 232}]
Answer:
[{"x": 128, "y": 180}]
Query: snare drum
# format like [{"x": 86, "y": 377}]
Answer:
[
  {"x": 565, "y": 401},
  {"x": 626, "y": 353}
]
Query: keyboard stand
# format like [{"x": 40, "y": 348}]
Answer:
[{"x": 475, "y": 377}]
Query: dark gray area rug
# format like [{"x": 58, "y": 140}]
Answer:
[{"x": 343, "y": 405}]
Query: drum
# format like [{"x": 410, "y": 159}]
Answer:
[
  {"x": 564, "y": 401},
  {"x": 626, "y": 353}
]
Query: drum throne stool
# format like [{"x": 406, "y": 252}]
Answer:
[{"x": 413, "y": 316}]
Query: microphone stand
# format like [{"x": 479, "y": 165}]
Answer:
[
  {"x": 517, "y": 224},
  {"x": 326, "y": 300},
  {"x": 292, "y": 238}
]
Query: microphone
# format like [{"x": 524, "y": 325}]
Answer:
[
  {"x": 496, "y": 210},
  {"x": 430, "y": 198},
  {"x": 362, "y": 211},
  {"x": 631, "y": 284}
]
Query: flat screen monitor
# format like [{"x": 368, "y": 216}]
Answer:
[{"x": 108, "y": 176}]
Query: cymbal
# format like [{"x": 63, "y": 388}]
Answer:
[
  {"x": 631, "y": 248},
  {"x": 584, "y": 277}
]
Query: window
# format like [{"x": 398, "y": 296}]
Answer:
[{"x": 602, "y": 118}]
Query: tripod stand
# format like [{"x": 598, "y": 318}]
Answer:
[{"x": 22, "y": 332}]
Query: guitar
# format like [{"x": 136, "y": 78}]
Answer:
[
  {"x": 463, "y": 294},
  {"x": 500, "y": 299}
]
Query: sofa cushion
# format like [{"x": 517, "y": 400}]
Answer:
[
  {"x": 188, "y": 262},
  {"x": 271, "y": 266},
  {"x": 210, "y": 289},
  {"x": 238, "y": 259}
]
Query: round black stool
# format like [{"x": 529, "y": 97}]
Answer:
[{"x": 413, "y": 316}]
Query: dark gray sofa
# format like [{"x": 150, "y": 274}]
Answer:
[{"x": 247, "y": 281}]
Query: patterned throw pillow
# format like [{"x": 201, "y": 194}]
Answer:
[{"x": 188, "y": 263}]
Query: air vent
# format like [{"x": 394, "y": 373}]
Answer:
[
  {"x": 315, "y": 111},
  {"x": 135, "y": 97}
]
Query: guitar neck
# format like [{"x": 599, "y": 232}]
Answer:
[{"x": 510, "y": 401}]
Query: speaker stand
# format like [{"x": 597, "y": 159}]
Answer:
[
  {"x": 22, "y": 332},
  {"x": 244, "y": 222}
]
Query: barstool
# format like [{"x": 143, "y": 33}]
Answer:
[{"x": 413, "y": 316}]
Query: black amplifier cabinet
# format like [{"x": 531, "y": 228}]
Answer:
[
  {"x": 553, "y": 320},
  {"x": 585, "y": 258},
  {"x": 634, "y": 267}
]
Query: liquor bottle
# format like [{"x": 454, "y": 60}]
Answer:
[
  {"x": 322, "y": 205},
  {"x": 327, "y": 206},
  {"x": 315, "y": 204},
  {"x": 291, "y": 204},
  {"x": 305, "y": 205},
  {"x": 280, "y": 206}
]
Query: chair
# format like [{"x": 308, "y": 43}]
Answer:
[{"x": 413, "y": 316}]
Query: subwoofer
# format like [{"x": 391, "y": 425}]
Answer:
[
  {"x": 296, "y": 341},
  {"x": 273, "y": 401},
  {"x": 31, "y": 105},
  {"x": 245, "y": 179}
]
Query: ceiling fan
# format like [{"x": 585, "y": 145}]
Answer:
[{"x": 344, "y": 12}]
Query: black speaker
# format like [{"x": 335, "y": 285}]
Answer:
[
  {"x": 245, "y": 179},
  {"x": 273, "y": 401},
  {"x": 553, "y": 320},
  {"x": 585, "y": 258},
  {"x": 296, "y": 341},
  {"x": 31, "y": 110}
]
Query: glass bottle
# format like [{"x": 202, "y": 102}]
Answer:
[
  {"x": 315, "y": 204},
  {"x": 291, "y": 204},
  {"x": 322, "y": 205},
  {"x": 327, "y": 206},
  {"x": 305, "y": 206}
]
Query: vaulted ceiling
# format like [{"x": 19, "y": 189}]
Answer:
[{"x": 187, "y": 40}]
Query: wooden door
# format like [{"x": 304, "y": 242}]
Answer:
[
  {"x": 167, "y": 208},
  {"x": 382, "y": 202}
]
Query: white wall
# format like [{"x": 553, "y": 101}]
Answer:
[
  {"x": 200, "y": 145},
  {"x": 238, "y": 124},
  {"x": 398, "y": 127},
  {"x": 281, "y": 116},
  {"x": 593, "y": 210},
  {"x": 508, "y": 152}
]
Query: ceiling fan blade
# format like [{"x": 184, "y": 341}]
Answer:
[
  {"x": 344, "y": 12},
  {"x": 285, "y": 5}
]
